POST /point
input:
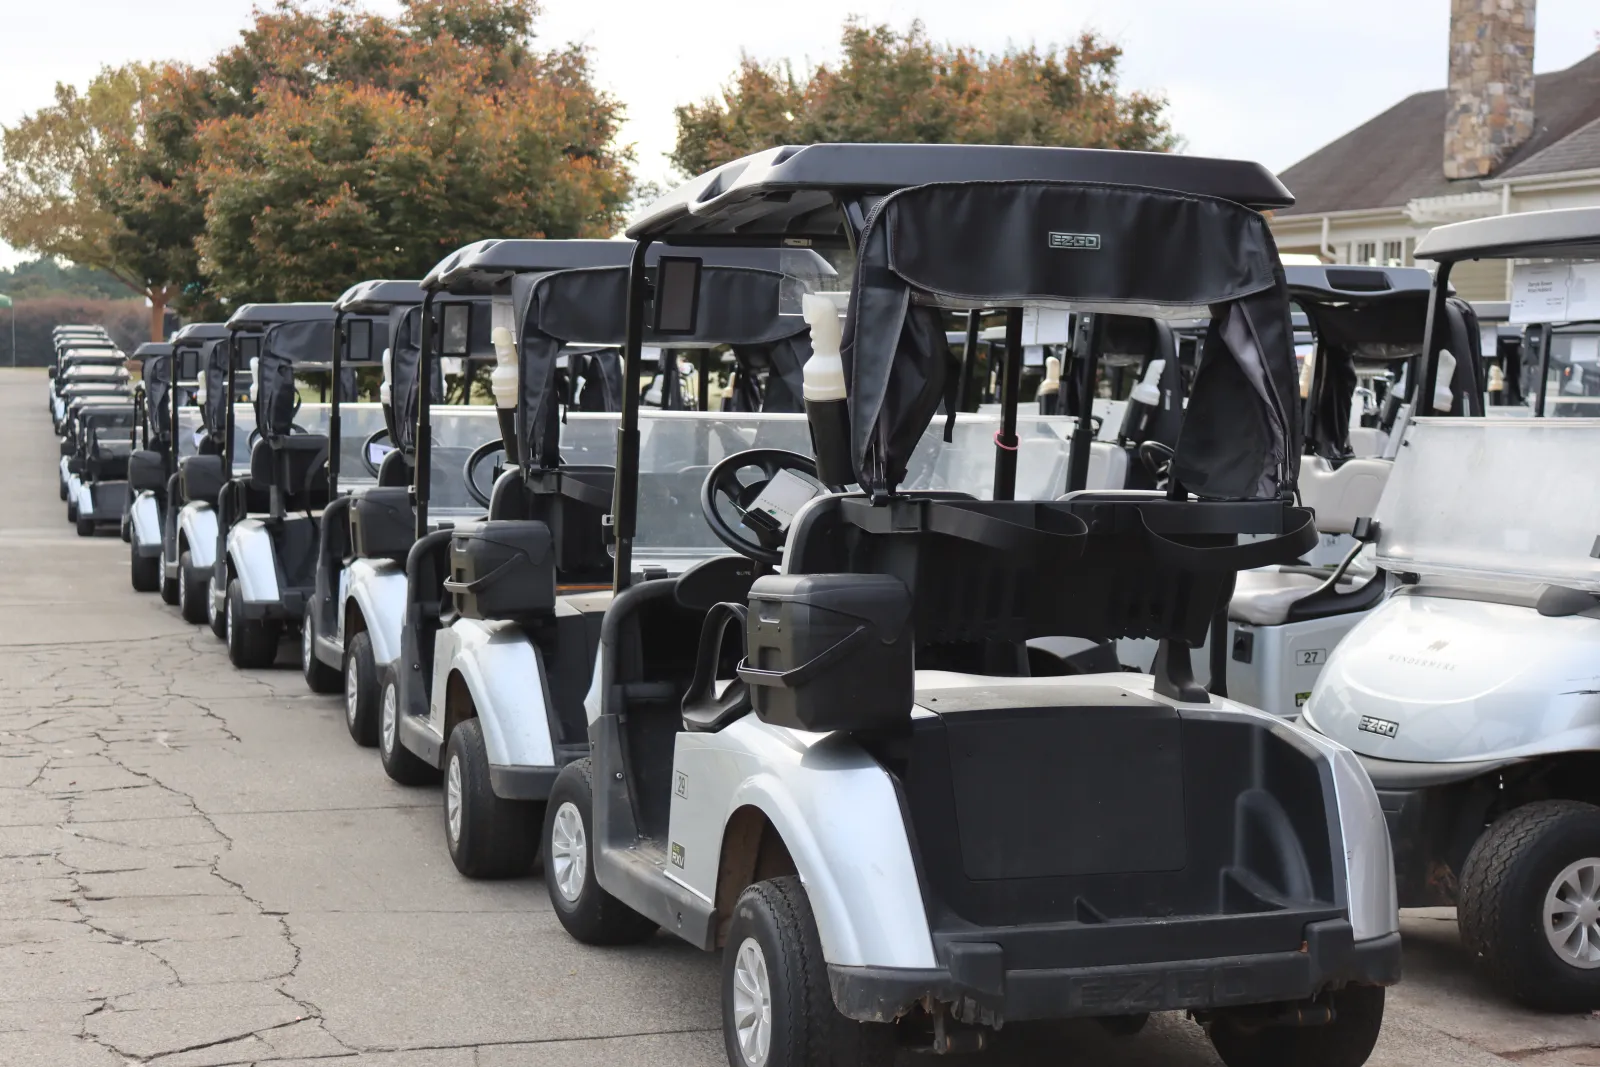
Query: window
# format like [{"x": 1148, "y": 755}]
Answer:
[
  {"x": 1366, "y": 254},
  {"x": 1394, "y": 253}
]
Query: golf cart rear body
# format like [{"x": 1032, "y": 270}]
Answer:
[
  {"x": 1478, "y": 675},
  {"x": 977, "y": 845},
  {"x": 99, "y": 484}
]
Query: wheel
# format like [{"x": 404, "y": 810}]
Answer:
[
  {"x": 488, "y": 836},
  {"x": 217, "y": 620},
  {"x": 1345, "y": 1042},
  {"x": 72, "y": 509},
  {"x": 252, "y": 643},
  {"x": 1530, "y": 905},
  {"x": 588, "y": 912},
  {"x": 777, "y": 1010},
  {"x": 84, "y": 525},
  {"x": 399, "y": 763},
  {"x": 144, "y": 571},
  {"x": 320, "y": 678},
  {"x": 169, "y": 586},
  {"x": 194, "y": 591},
  {"x": 361, "y": 692},
  {"x": 125, "y": 530},
  {"x": 63, "y": 482}
]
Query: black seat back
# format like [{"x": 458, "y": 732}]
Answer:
[
  {"x": 295, "y": 467},
  {"x": 201, "y": 478}
]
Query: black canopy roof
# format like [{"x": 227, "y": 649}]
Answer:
[
  {"x": 792, "y": 191},
  {"x": 257, "y": 317},
  {"x": 378, "y": 296},
  {"x": 195, "y": 333},
  {"x": 484, "y": 266},
  {"x": 152, "y": 348},
  {"x": 1562, "y": 233}
]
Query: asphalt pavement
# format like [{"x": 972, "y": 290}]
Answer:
[{"x": 198, "y": 867}]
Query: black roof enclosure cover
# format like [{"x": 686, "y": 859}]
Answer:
[
  {"x": 378, "y": 296},
  {"x": 794, "y": 191},
  {"x": 194, "y": 334},
  {"x": 1093, "y": 247},
  {"x": 484, "y": 266}
]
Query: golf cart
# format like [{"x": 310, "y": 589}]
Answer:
[
  {"x": 1469, "y": 694},
  {"x": 97, "y": 374},
  {"x": 152, "y": 431},
  {"x": 422, "y": 481},
  {"x": 97, "y": 469},
  {"x": 893, "y": 831},
  {"x": 268, "y": 515},
  {"x": 189, "y": 528}
]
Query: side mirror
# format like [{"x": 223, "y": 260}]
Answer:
[{"x": 677, "y": 294}]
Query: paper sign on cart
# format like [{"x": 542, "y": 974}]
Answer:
[
  {"x": 1046, "y": 326},
  {"x": 1539, "y": 292}
]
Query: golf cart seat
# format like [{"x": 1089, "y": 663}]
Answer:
[
  {"x": 572, "y": 502},
  {"x": 1341, "y": 495},
  {"x": 108, "y": 459},
  {"x": 382, "y": 523},
  {"x": 201, "y": 478},
  {"x": 294, "y": 464},
  {"x": 394, "y": 470},
  {"x": 1266, "y": 597}
]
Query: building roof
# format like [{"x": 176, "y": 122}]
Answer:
[{"x": 1399, "y": 155}]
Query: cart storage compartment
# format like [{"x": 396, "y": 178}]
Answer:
[
  {"x": 503, "y": 569},
  {"x": 382, "y": 524},
  {"x": 830, "y": 651}
]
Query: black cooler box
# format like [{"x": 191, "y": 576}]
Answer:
[
  {"x": 830, "y": 651},
  {"x": 503, "y": 569}
]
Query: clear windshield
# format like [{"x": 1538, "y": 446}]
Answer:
[
  {"x": 456, "y": 432},
  {"x": 357, "y": 422},
  {"x": 188, "y": 431},
  {"x": 1572, "y": 383}
]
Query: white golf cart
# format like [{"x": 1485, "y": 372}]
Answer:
[
  {"x": 1470, "y": 693},
  {"x": 894, "y": 833},
  {"x": 152, "y": 438},
  {"x": 97, "y": 467},
  {"x": 268, "y": 516}
]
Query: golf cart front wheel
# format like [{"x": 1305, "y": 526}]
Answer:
[
  {"x": 588, "y": 913},
  {"x": 777, "y": 1009},
  {"x": 361, "y": 692},
  {"x": 63, "y": 483},
  {"x": 72, "y": 509},
  {"x": 1346, "y": 1041},
  {"x": 193, "y": 591},
  {"x": 83, "y": 524},
  {"x": 320, "y": 678},
  {"x": 399, "y": 763},
  {"x": 144, "y": 571},
  {"x": 252, "y": 643},
  {"x": 1530, "y": 905},
  {"x": 169, "y": 586},
  {"x": 487, "y": 836}
]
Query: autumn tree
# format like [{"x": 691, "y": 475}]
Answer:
[
  {"x": 59, "y": 164},
  {"x": 890, "y": 86},
  {"x": 356, "y": 146}
]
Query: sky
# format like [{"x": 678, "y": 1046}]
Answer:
[{"x": 1270, "y": 80}]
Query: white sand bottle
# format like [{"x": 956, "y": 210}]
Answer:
[
  {"x": 1050, "y": 388},
  {"x": 827, "y": 403}
]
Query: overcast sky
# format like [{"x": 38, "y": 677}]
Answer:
[{"x": 1270, "y": 80}]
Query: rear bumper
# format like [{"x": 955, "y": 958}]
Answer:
[{"x": 980, "y": 989}]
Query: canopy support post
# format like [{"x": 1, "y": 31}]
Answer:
[
  {"x": 1085, "y": 349},
  {"x": 333, "y": 409},
  {"x": 422, "y": 455},
  {"x": 1432, "y": 340},
  {"x": 625, "y": 493},
  {"x": 1005, "y": 442}
]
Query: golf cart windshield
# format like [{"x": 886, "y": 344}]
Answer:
[
  {"x": 1530, "y": 515},
  {"x": 456, "y": 431}
]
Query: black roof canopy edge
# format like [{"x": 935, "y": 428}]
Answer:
[
  {"x": 377, "y": 296},
  {"x": 257, "y": 317}
]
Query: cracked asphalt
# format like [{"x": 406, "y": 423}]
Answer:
[{"x": 198, "y": 868}]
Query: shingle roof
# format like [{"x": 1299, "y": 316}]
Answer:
[{"x": 1399, "y": 155}]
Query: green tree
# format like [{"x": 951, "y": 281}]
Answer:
[
  {"x": 898, "y": 87},
  {"x": 371, "y": 147},
  {"x": 58, "y": 163}
]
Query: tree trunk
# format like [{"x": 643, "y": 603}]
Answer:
[{"x": 158, "y": 314}]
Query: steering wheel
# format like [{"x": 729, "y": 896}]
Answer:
[
  {"x": 480, "y": 455},
  {"x": 255, "y": 435},
  {"x": 366, "y": 450},
  {"x": 1156, "y": 458},
  {"x": 723, "y": 481}
]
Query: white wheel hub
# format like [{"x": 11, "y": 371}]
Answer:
[
  {"x": 307, "y": 645},
  {"x": 752, "y": 1004},
  {"x": 569, "y": 852},
  {"x": 352, "y": 690},
  {"x": 227, "y": 620},
  {"x": 1572, "y": 914},
  {"x": 452, "y": 798},
  {"x": 389, "y": 720}
]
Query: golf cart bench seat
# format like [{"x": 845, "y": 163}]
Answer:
[
  {"x": 296, "y": 466},
  {"x": 1265, "y": 597},
  {"x": 1341, "y": 495},
  {"x": 108, "y": 460}
]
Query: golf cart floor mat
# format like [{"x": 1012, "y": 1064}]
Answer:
[{"x": 1111, "y": 830}]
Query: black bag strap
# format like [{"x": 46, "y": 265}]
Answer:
[{"x": 1284, "y": 548}]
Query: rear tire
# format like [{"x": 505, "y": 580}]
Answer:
[
  {"x": 215, "y": 618},
  {"x": 252, "y": 643},
  {"x": 144, "y": 571},
  {"x": 63, "y": 482},
  {"x": 777, "y": 1008},
  {"x": 362, "y": 694},
  {"x": 1347, "y": 1041},
  {"x": 320, "y": 678},
  {"x": 1534, "y": 858},
  {"x": 169, "y": 586},
  {"x": 488, "y": 836},
  {"x": 72, "y": 509},
  {"x": 399, "y": 762},
  {"x": 588, "y": 913},
  {"x": 84, "y": 526},
  {"x": 193, "y": 591}
]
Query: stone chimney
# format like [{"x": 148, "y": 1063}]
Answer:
[{"x": 1490, "y": 98}]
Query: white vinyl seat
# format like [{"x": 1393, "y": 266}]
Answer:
[
  {"x": 1263, "y": 597},
  {"x": 1341, "y": 495}
]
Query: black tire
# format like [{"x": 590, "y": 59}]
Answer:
[
  {"x": 399, "y": 763},
  {"x": 320, "y": 678},
  {"x": 125, "y": 529},
  {"x": 143, "y": 571},
  {"x": 63, "y": 482},
  {"x": 72, "y": 509},
  {"x": 169, "y": 586},
  {"x": 252, "y": 643},
  {"x": 804, "y": 1028},
  {"x": 1347, "y": 1041},
  {"x": 1503, "y": 886},
  {"x": 588, "y": 913},
  {"x": 487, "y": 836},
  {"x": 193, "y": 591},
  {"x": 84, "y": 526},
  {"x": 362, "y": 693},
  {"x": 217, "y": 620}
]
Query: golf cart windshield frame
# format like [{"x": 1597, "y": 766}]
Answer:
[
  {"x": 860, "y": 195},
  {"x": 1560, "y": 233}
]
